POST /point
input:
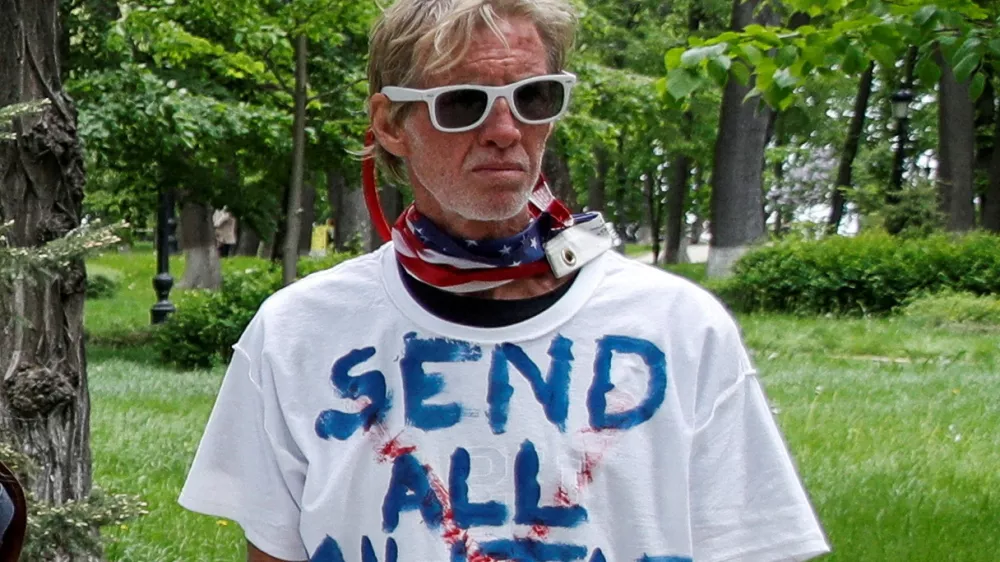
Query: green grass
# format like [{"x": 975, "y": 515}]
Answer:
[{"x": 892, "y": 423}]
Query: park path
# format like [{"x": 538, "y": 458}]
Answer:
[{"x": 697, "y": 253}]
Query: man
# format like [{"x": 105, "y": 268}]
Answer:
[{"x": 493, "y": 385}]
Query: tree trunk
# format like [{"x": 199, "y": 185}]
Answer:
[
  {"x": 308, "y": 217},
  {"x": 202, "y": 269},
  {"x": 956, "y": 151},
  {"x": 353, "y": 226},
  {"x": 680, "y": 177},
  {"x": 737, "y": 174},
  {"x": 985, "y": 126},
  {"x": 651, "y": 188},
  {"x": 556, "y": 170},
  {"x": 596, "y": 188},
  {"x": 248, "y": 243},
  {"x": 293, "y": 213},
  {"x": 991, "y": 197},
  {"x": 845, "y": 171},
  {"x": 44, "y": 402}
]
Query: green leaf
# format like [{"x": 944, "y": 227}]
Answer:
[
  {"x": 928, "y": 71},
  {"x": 718, "y": 69},
  {"x": 965, "y": 67},
  {"x": 784, "y": 79},
  {"x": 815, "y": 55},
  {"x": 682, "y": 82},
  {"x": 693, "y": 57},
  {"x": 854, "y": 60},
  {"x": 753, "y": 54},
  {"x": 925, "y": 15},
  {"x": 977, "y": 86},
  {"x": 741, "y": 72},
  {"x": 765, "y": 74},
  {"x": 787, "y": 55},
  {"x": 672, "y": 59},
  {"x": 885, "y": 55}
]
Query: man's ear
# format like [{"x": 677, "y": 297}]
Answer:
[{"x": 389, "y": 135}]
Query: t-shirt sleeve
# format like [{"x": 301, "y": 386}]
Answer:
[
  {"x": 247, "y": 467},
  {"x": 747, "y": 501}
]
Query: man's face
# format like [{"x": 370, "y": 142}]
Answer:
[{"x": 486, "y": 174}]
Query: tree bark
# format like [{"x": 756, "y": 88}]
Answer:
[
  {"x": 985, "y": 125},
  {"x": 596, "y": 193},
  {"x": 680, "y": 177},
  {"x": 248, "y": 243},
  {"x": 737, "y": 217},
  {"x": 44, "y": 402},
  {"x": 202, "y": 269},
  {"x": 654, "y": 210},
  {"x": 352, "y": 226},
  {"x": 556, "y": 170},
  {"x": 293, "y": 214},
  {"x": 956, "y": 151},
  {"x": 308, "y": 217},
  {"x": 845, "y": 171},
  {"x": 991, "y": 197}
]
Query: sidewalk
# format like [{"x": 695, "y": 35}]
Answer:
[{"x": 697, "y": 253}]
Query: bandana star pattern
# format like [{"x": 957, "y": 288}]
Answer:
[{"x": 461, "y": 266}]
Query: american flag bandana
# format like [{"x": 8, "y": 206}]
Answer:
[{"x": 463, "y": 266}]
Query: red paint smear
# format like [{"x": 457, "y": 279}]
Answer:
[
  {"x": 452, "y": 533},
  {"x": 562, "y": 497},
  {"x": 540, "y": 531},
  {"x": 393, "y": 450}
]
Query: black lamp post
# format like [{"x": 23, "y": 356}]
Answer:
[
  {"x": 163, "y": 282},
  {"x": 901, "y": 112}
]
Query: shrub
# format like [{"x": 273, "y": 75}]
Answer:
[
  {"x": 207, "y": 323},
  {"x": 951, "y": 308},
  {"x": 868, "y": 274},
  {"x": 70, "y": 529},
  {"x": 102, "y": 282}
]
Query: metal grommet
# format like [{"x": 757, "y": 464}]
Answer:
[{"x": 569, "y": 257}]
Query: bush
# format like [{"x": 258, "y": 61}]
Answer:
[
  {"x": 868, "y": 274},
  {"x": 68, "y": 530},
  {"x": 951, "y": 308},
  {"x": 207, "y": 323},
  {"x": 102, "y": 283}
]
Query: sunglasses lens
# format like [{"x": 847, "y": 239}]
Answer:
[
  {"x": 540, "y": 100},
  {"x": 460, "y": 108}
]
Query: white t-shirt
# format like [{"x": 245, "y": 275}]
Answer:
[{"x": 624, "y": 423}]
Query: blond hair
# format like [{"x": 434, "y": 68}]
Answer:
[{"x": 414, "y": 39}]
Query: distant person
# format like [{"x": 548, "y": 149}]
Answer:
[
  {"x": 494, "y": 384},
  {"x": 225, "y": 231}
]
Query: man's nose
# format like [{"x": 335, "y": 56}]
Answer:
[{"x": 501, "y": 127}]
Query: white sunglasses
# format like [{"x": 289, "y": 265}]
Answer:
[{"x": 463, "y": 107}]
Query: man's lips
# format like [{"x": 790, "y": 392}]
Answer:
[{"x": 498, "y": 167}]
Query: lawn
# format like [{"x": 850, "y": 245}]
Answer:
[{"x": 893, "y": 426}]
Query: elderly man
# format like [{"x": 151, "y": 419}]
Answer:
[{"x": 493, "y": 384}]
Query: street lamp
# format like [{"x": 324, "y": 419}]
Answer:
[
  {"x": 163, "y": 282},
  {"x": 901, "y": 104},
  {"x": 901, "y": 112}
]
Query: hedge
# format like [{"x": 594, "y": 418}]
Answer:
[
  {"x": 867, "y": 274},
  {"x": 207, "y": 323}
]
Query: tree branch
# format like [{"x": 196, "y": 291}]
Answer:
[
  {"x": 336, "y": 91},
  {"x": 274, "y": 70}
]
